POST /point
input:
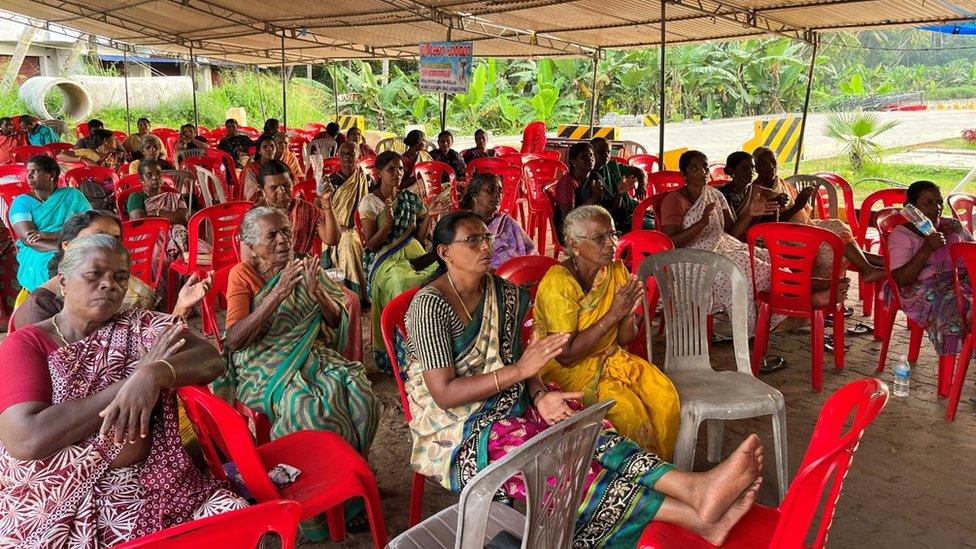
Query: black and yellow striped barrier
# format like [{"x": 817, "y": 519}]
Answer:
[
  {"x": 782, "y": 135},
  {"x": 582, "y": 131},
  {"x": 346, "y": 121},
  {"x": 651, "y": 120}
]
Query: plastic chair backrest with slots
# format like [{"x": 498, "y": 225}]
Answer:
[
  {"x": 240, "y": 528},
  {"x": 505, "y": 149},
  {"x": 326, "y": 147},
  {"x": 526, "y": 272},
  {"x": 299, "y": 146},
  {"x": 686, "y": 279},
  {"x": 390, "y": 144},
  {"x": 633, "y": 148},
  {"x": 511, "y": 189},
  {"x": 884, "y": 198},
  {"x": 638, "y": 244},
  {"x": 716, "y": 172},
  {"x": 847, "y": 192},
  {"x": 533, "y": 137},
  {"x": 512, "y": 159},
  {"x": 120, "y": 136},
  {"x": 961, "y": 207},
  {"x": 666, "y": 181},
  {"x": 210, "y": 161},
  {"x": 210, "y": 187},
  {"x": 648, "y": 163},
  {"x": 215, "y": 298},
  {"x": 74, "y": 176},
  {"x": 826, "y": 194},
  {"x": 306, "y": 190},
  {"x": 490, "y": 164},
  {"x": 553, "y": 465},
  {"x": 82, "y": 130},
  {"x": 13, "y": 173},
  {"x": 540, "y": 155},
  {"x": 540, "y": 173},
  {"x": 8, "y": 192},
  {"x": 432, "y": 174},
  {"x": 188, "y": 153},
  {"x": 122, "y": 197},
  {"x": 169, "y": 142},
  {"x": 225, "y": 222},
  {"x": 54, "y": 149},
  {"x": 24, "y": 152},
  {"x": 652, "y": 202},
  {"x": 143, "y": 237}
]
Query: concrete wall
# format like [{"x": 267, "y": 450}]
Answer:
[{"x": 149, "y": 92}]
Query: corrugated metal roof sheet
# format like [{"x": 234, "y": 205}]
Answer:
[{"x": 250, "y": 31}]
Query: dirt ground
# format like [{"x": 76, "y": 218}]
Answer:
[{"x": 910, "y": 485}]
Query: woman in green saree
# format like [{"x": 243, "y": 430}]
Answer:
[
  {"x": 285, "y": 322},
  {"x": 395, "y": 223},
  {"x": 475, "y": 395}
]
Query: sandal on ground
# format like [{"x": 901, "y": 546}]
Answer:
[
  {"x": 720, "y": 338},
  {"x": 859, "y": 328},
  {"x": 772, "y": 364},
  {"x": 829, "y": 343}
]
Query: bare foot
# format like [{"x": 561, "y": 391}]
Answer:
[
  {"x": 725, "y": 483},
  {"x": 717, "y": 532},
  {"x": 873, "y": 275}
]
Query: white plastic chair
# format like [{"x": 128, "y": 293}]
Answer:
[
  {"x": 207, "y": 182},
  {"x": 686, "y": 278},
  {"x": 802, "y": 181},
  {"x": 326, "y": 147},
  {"x": 391, "y": 144},
  {"x": 553, "y": 465}
]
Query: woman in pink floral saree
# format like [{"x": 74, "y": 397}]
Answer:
[{"x": 90, "y": 453}]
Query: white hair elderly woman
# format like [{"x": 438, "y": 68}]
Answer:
[
  {"x": 90, "y": 452},
  {"x": 593, "y": 297},
  {"x": 285, "y": 322}
]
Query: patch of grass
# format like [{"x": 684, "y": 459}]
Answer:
[
  {"x": 905, "y": 174},
  {"x": 953, "y": 143}
]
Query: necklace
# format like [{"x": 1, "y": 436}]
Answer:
[
  {"x": 58, "y": 329},
  {"x": 458, "y": 294}
]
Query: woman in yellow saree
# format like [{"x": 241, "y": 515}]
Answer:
[
  {"x": 592, "y": 296},
  {"x": 351, "y": 186}
]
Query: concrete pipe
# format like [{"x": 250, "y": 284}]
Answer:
[{"x": 77, "y": 102}]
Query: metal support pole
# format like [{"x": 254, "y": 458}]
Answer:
[
  {"x": 806, "y": 103},
  {"x": 193, "y": 87},
  {"x": 335, "y": 89},
  {"x": 444, "y": 95},
  {"x": 596, "y": 63},
  {"x": 664, "y": 40},
  {"x": 284, "y": 84},
  {"x": 125, "y": 79}
]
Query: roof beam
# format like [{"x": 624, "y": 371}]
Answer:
[{"x": 719, "y": 9}]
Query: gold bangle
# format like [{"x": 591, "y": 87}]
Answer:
[
  {"x": 498, "y": 387},
  {"x": 172, "y": 371}
]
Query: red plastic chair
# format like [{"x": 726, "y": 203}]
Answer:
[
  {"x": 850, "y": 208},
  {"x": 122, "y": 197},
  {"x": 526, "y": 272},
  {"x": 633, "y": 248},
  {"x": 792, "y": 251},
  {"x": 10, "y": 173},
  {"x": 540, "y": 155},
  {"x": 169, "y": 142},
  {"x": 24, "y": 152},
  {"x": 306, "y": 190},
  {"x": 432, "y": 173},
  {"x": 217, "y": 298},
  {"x": 298, "y": 145},
  {"x": 253, "y": 133},
  {"x": 368, "y": 165},
  {"x": 654, "y": 203},
  {"x": 8, "y": 192},
  {"x": 665, "y": 181},
  {"x": 646, "y": 162},
  {"x": 537, "y": 176},
  {"x": 75, "y": 175},
  {"x": 505, "y": 149},
  {"x": 127, "y": 181},
  {"x": 867, "y": 237},
  {"x": 489, "y": 164},
  {"x": 512, "y": 192},
  {"x": 224, "y": 221},
  {"x": 962, "y": 253},
  {"x": 120, "y": 136},
  {"x": 533, "y": 137},
  {"x": 391, "y": 321},
  {"x": 318, "y": 489},
  {"x": 54, "y": 149},
  {"x": 241, "y": 528},
  {"x": 817, "y": 483},
  {"x": 81, "y": 130},
  {"x": 717, "y": 172},
  {"x": 961, "y": 206},
  {"x": 145, "y": 238},
  {"x": 314, "y": 127},
  {"x": 512, "y": 159}
]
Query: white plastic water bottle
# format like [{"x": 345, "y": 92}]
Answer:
[
  {"x": 903, "y": 374},
  {"x": 916, "y": 217}
]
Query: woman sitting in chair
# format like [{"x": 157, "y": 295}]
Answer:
[
  {"x": 593, "y": 297},
  {"x": 351, "y": 185},
  {"x": 482, "y": 198},
  {"x": 395, "y": 222},
  {"x": 102, "y": 151},
  {"x": 152, "y": 201},
  {"x": 476, "y": 395},
  {"x": 37, "y": 218},
  {"x": 794, "y": 206},
  {"x": 307, "y": 220},
  {"x": 46, "y": 301},
  {"x": 150, "y": 151},
  {"x": 90, "y": 452},
  {"x": 264, "y": 152},
  {"x": 924, "y": 273},
  {"x": 285, "y": 324},
  {"x": 416, "y": 143}
]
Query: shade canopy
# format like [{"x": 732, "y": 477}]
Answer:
[{"x": 250, "y": 31}]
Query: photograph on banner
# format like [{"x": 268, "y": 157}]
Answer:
[{"x": 445, "y": 67}]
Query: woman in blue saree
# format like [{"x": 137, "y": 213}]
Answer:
[
  {"x": 395, "y": 223},
  {"x": 475, "y": 395},
  {"x": 37, "y": 218}
]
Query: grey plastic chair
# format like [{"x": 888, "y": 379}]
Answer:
[
  {"x": 561, "y": 453},
  {"x": 390, "y": 144},
  {"x": 686, "y": 278},
  {"x": 188, "y": 153},
  {"x": 803, "y": 181},
  {"x": 325, "y": 147}
]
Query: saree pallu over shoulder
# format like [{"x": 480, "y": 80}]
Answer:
[
  {"x": 348, "y": 254},
  {"x": 451, "y": 445},
  {"x": 305, "y": 218},
  {"x": 296, "y": 376},
  {"x": 47, "y": 216},
  {"x": 647, "y": 409},
  {"x": 407, "y": 209},
  {"x": 73, "y": 498}
]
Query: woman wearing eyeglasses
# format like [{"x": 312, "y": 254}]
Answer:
[
  {"x": 594, "y": 298},
  {"x": 483, "y": 197}
]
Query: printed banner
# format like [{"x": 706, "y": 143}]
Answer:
[{"x": 445, "y": 67}]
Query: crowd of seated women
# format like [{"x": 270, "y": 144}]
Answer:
[{"x": 89, "y": 407}]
